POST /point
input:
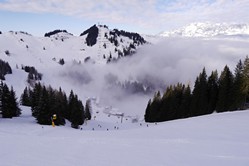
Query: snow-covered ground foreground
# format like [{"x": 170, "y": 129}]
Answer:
[{"x": 218, "y": 139}]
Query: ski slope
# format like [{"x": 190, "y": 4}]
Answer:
[{"x": 217, "y": 139}]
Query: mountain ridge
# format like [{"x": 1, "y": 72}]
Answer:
[
  {"x": 208, "y": 29},
  {"x": 101, "y": 45}
]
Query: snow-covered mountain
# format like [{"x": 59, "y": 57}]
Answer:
[
  {"x": 98, "y": 44},
  {"x": 61, "y": 59},
  {"x": 208, "y": 29}
]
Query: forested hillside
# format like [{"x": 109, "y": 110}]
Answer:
[{"x": 214, "y": 93}]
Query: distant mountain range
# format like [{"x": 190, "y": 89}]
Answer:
[{"x": 208, "y": 29}]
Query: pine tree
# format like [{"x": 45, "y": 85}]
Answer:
[
  {"x": 195, "y": 98},
  {"x": 71, "y": 105},
  {"x": 6, "y": 101},
  {"x": 78, "y": 115},
  {"x": 1, "y": 96},
  {"x": 165, "y": 110},
  {"x": 147, "y": 116},
  {"x": 175, "y": 104},
  {"x": 245, "y": 84},
  {"x": 52, "y": 104},
  {"x": 6, "y": 112},
  {"x": 88, "y": 115},
  {"x": 62, "y": 105},
  {"x": 14, "y": 108},
  {"x": 239, "y": 97},
  {"x": 35, "y": 97},
  {"x": 154, "y": 108},
  {"x": 199, "y": 103},
  {"x": 43, "y": 113},
  {"x": 203, "y": 105},
  {"x": 185, "y": 103},
  {"x": 77, "y": 112},
  {"x": 4, "y": 69},
  {"x": 58, "y": 106},
  {"x": 212, "y": 91},
  {"x": 74, "y": 110},
  {"x": 225, "y": 96},
  {"x": 26, "y": 97}
]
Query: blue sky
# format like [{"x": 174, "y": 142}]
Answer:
[{"x": 143, "y": 16}]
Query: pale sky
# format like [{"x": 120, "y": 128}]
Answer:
[{"x": 143, "y": 16}]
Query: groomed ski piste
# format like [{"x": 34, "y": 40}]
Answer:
[{"x": 216, "y": 139}]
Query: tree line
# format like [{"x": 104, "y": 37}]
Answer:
[
  {"x": 33, "y": 74},
  {"x": 92, "y": 34},
  {"x": 8, "y": 102},
  {"x": 46, "y": 101},
  {"x": 227, "y": 92},
  {"x": 54, "y": 32},
  {"x": 138, "y": 39}
]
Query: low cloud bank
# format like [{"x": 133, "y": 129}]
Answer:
[{"x": 170, "y": 61}]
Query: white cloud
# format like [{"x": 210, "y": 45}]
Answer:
[
  {"x": 146, "y": 14},
  {"x": 170, "y": 61}
]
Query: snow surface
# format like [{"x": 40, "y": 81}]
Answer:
[{"x": 217, "y": 139}]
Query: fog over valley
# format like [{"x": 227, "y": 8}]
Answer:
[{"x": 155, "y": 66}]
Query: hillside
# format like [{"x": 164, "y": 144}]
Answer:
[
  {"x": 217, "y": 139},
  {"x": 68, "y": 61},
  {"x": 109, "y": 45}
]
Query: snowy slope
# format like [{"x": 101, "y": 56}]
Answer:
[
  {"x": 65, "y": 45},
  {"x": 217, "y": 139},
  {"x": 208, "y": 29}
]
